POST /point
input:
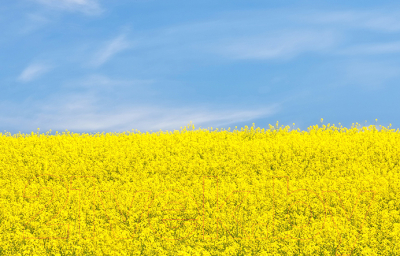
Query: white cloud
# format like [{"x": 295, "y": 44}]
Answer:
[
  {"x": 370, "y": 75},
  {"x": 384, "y": 23},
  {"x": 282, "y": 45},
  {"x": 150, "y": 118},
  {"x": 32, "y": 72},
  {"x": 369, "y": 49},
  {"x": 278, "y": 34},
  {"x": 380, "y": 20},
  {"x": 89, "y": 7},
  {"x": 34, "y": 22},
  {"x": 98, "y": 81},
  {"x": 112, "y": 48},
  {"x": 240, "y": 35},
  {"x": 86, "y": 112}
]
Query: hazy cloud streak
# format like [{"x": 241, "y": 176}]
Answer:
[
  {"x": 89, "y": 7},
  {"x": 112, "y": 48},
  {"x": 86, "y": 112},
  {"x": 379, "y": 20},
  {"x": 284, "y": 45},
  {"x": 32, "y": 72},
  {"x": 370, "y": 49}
]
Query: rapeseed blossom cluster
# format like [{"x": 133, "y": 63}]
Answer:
[{"x": 325, "y": 191}]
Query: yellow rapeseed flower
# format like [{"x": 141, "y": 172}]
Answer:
[{"x": 325, "y": 191}]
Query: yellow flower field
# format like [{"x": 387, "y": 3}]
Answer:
[{"x": 325, "y": 191}]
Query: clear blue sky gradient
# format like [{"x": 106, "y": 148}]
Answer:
[{"x": 112, "y": 66}]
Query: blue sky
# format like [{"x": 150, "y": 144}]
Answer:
[{"x": 94, "y": 65}]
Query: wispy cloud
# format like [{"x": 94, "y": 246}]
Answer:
[
  {"x": 282, "y": 45},
  {"x": 153, "y": 118},
  {"x": 240, "y": 35},
  {"x": 99, "y": 81},
  {"x": 32, "y": 72},
  {"x": 280, "y": 34},
  {"x": 379, "y": 20},
  {"x": 370, "y": 75},
  {"x": 86, "y": 112},
  {"x": 161, "y": 118},
  {"x": 34, "y": 22},
  {"x": 89, "y": 7},
  {"x": 370, "y": 49},
  {"x": 117, "y": 45}
]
